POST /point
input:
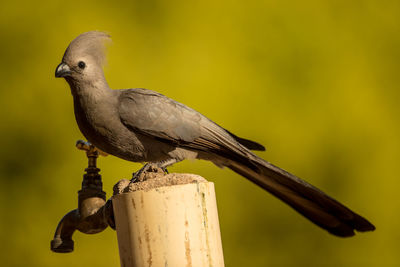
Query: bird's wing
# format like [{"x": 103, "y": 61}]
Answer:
[
  {"x": 156, "y": 115},
  {"x": 160, "y": 117}
]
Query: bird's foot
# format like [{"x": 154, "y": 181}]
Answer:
[{"x": 139, "y": 176}]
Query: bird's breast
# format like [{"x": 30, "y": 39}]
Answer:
[{"x": 100, "y": 124}]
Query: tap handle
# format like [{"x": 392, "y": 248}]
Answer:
[
  {"x": 92, "y": 153},
  {"x": 90, "y": 149}
]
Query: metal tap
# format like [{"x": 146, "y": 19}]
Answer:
[{"x": 93, "y": 214}]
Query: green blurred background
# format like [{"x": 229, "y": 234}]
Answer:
[{"x": 316, "y": 82}]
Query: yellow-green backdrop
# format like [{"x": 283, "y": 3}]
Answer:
[{"x": 316, "y": 82}]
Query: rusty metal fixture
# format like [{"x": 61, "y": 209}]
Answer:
[{"x": 93, "y": 214}]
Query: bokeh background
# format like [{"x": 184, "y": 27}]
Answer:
[{"x": 316, "y": 82}]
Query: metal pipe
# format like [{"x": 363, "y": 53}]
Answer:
[{"x": 93, "y": 215}]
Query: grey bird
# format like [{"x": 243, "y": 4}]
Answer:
[{"x": 141, "y": 125}]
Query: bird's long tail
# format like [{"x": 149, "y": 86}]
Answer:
[{"x": 308, "y": 200}]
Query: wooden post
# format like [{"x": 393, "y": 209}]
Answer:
[{"x": 167, "y": 220}]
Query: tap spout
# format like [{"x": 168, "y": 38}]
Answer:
[{"x": 62, "y": 241}]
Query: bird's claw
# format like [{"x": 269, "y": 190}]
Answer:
[{"x": 139, "y": 176}]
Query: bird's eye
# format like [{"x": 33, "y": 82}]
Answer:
[{"x": 81, "y": 65}]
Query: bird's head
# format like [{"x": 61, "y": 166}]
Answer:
[{"x": 84, "y": 58}]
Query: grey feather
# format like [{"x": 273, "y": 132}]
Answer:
[{"x": 166, "y": 119}]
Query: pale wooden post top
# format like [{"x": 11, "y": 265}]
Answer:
[{"x": 153, "y": 180}]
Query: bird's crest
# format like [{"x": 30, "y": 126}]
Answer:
[{"x": 91, "y": 44}]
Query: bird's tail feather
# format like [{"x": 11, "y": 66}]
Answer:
[{"x": 309, "y": 201}]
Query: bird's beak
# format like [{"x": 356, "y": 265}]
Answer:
[{"x": 62, "y": 70}]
